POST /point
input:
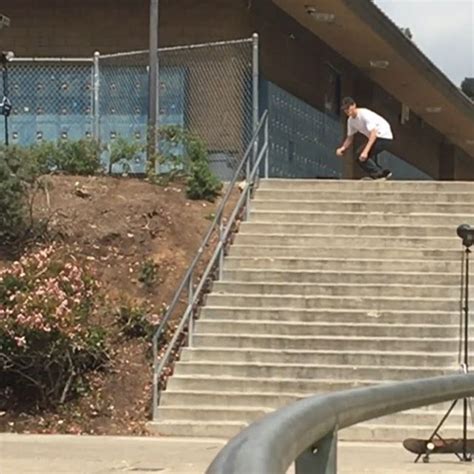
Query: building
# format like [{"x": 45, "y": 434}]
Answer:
[{"x": 309, "y": 58}]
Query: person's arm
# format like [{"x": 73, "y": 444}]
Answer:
[
  {"x": 370, "y": 144},
  {"x": 345, "y": 146}
]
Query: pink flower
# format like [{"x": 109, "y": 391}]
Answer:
[
  {"x": 20, "y": 318},
  {"x": 20, "y": 341}
]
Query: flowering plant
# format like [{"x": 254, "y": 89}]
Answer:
[{"x": 47, "y": 338}]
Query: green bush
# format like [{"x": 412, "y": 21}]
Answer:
[
  {"x": 201, "y": 182},
  {"x": 148, "y": 273},
  {"x": 48, "y": 340},
  {"x": 81, "y": 157},
  {"x": 123, "y": 152},
  {"x": 134, "y": 321},
  {"x": 18, "y": 181},
  {"x": 12, "y": 203},
  {"x": 183, "y": 155},
  {"x": 46, "y": 157}
]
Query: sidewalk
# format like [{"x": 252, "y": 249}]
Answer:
[{"x": 27, "y": 454}]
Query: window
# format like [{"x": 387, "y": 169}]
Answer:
[{"x": 332, "y": 91}]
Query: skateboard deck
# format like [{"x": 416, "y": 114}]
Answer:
[{"x": 437, "y": 446}]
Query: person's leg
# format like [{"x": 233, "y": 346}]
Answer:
[
  {"x": 369, "y": 166},
  {"x": 379, "y": 146}
]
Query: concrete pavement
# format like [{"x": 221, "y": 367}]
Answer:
[{"x": 43, "y": 454}]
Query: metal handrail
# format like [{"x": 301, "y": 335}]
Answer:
[
  {"x": 306, "y": 431},
  {"x": 251, "y": 155}
]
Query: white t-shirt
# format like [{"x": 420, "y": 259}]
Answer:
[{"x": 366, "y": 121}]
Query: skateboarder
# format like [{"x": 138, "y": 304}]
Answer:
[{"x": 379, "y": 135}]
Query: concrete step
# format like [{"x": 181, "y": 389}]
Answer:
[
  {"x": 266, "y": 235},
  {"x": 340, "y": 357},
  {"x": 223, "y": 399},
  {"x": 211, "y": 413},
  {"x": 360, "y": 205},
  {"x": 347, "y": 218},
  {"x": 396, "y": 433},
  {"x": 330, "y": 285},
  {"x": 196, "y": 429},
  {"x": 297, "y": 371},
  {"x": 327, "y": 277},
  {"x": 342, "y": 264},
  {"x": 281, "y": 328},
  {"x": 342, "y": 194},
  {"x": 227, "y": 384},
  {"x": 362, "y": 432},
  {"x": 335, "y": 315},
  {"x": 432, "y": 235},
  {"x": 268, "y": 400},
  {"x": 347, "y": 251},
  {"x": 335, "y": 289},
  {"x": 341, "y": 302},
  {"x": 303, "y": 185},
  {"x": 388, "y": 344},
  {"x": 249, "y": 415}
]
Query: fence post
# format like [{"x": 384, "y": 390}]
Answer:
[
  {"x": 319, "y": 459},
  {"x": 153, "y": 80},
  {"x": 95, "y": 107},
  {"x": 221, "y": 253},
  {"x": 255, "y": 91},
  {"x": 191, "y": 315}
]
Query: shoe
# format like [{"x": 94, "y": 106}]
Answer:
[{"x": 387, "y": 174}]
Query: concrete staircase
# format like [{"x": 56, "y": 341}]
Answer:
[{"x": 330, "y": 285}]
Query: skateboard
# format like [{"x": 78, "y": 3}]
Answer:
[{"x": 437, "y": 446}]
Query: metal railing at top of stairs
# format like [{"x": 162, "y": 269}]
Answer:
[
  {"x": 257, "y": 151},
  {"x": 306, "y": 431}
]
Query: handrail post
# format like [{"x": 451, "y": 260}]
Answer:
[
  {"x": 221, "y": 253},
  {"x": 155, "y": 392},
  {"x": 191, "y": 316},
  {"x": 247, "y": 201},
  {"x": 319, "y": 459}
]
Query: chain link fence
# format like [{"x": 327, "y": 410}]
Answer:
[
  {"x": 206, "y": 89},
  {"x": 51, "y": 99}
]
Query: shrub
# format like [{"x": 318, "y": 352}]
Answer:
[
  {"x": 12, "y": 203},
  {"x": 48, "y": 340},
  {"x": 184, "y": 155},
  {"x": 81, "y": 157},
  {"x": 134, "y": 321},
  {"x": 201, "y": 183},
  {"x": 148, "y": 273},
  {"x": 19, "y": 182},
  {"x": 46, "y": 156},
  {"x": 123, "y": 152}
]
